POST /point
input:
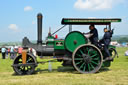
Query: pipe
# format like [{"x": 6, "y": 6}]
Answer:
[{"x": 39, "y": 26}]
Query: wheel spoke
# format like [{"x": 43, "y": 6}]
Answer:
[
  {"x": 93, "y": 55},
  {"x": 95, "y": 58},
  {"x": 81, "y": 51},
  {"x": 78, "y": 58},
  {"x": 94, "y": 62},
  {"x": 84, "y": 68},
  {"x": 29, "y": 59},
  {"x": 91, "y": 65},
  {"x": 88, "y": 67},
  {"x": 82, "y": 65},
  {"x": 24, "y": 68},
  {"x": 84, "y": 50},
  {"x": 94, "y": 52},
  {"x": 78, "y": 55},
  {"x": 89, "y": 52},
  {"x": 78, "y": 62}
]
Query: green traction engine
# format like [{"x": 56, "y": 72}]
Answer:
[{"x": 75, "y": 50}]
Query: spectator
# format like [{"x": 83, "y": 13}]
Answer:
[
  {"x": 7, "y": 52},
  {"x": 15, "y": 52},
  {"x": 12, "y": 53},
  {"x": 3, "y": 50},
  {"x": 20, "y": 50},
  {"x": 32, "y": 51}
]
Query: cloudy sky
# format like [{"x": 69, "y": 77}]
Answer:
[{"x": 18, "y": 17}]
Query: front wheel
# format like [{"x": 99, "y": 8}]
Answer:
[
  {"x": 24, "y": 69},
  {"x": 87, "y": 59}
]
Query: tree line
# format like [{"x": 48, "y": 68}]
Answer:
[{"x": 123, "y": 40}]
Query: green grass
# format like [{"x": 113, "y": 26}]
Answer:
[{"x": 117, "y": 74}]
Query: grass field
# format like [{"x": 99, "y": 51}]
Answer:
[{"x": 117, "y": 74}]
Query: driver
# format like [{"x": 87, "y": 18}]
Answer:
[{"x": 94, "y": 33}]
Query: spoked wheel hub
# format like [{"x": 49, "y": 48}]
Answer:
[{"x": 87, "y": 59}]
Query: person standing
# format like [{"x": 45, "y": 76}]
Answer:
[
  {"x": 12, "y": 52},
  {"x": 7, "y": 52},
  {"x": 3, "y": 50},
  {"x": 20, "y": 50},
  {"x": 15, "y": 52}
]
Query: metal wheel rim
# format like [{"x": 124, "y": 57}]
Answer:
[
  {"x": 23, "y": 70},
  {"x": 85, "y": 68}
]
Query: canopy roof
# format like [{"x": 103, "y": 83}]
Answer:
[{"x": 87, "y": 21}]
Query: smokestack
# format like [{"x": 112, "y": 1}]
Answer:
[{"x": 39, "y": 26}]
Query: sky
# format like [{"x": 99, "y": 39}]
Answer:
[{"x": 18, "y": 18}]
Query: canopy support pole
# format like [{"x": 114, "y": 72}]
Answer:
[
  {"x": 70, "y": 28},
  {"x": 110, "y": 26}
]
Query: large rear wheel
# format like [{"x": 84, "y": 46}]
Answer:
[{"x": 87, "y": 59}]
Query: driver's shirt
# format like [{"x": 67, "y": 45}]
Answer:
[{"x": 94, "y": 37}]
